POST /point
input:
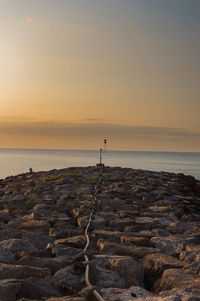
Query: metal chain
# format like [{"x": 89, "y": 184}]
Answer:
[{"x": 92, "y": 213}]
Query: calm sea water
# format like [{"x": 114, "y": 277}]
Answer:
[{"x": 15, "y": 161}]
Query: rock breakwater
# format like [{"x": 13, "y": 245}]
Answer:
[{"x": 144, "y": 237}]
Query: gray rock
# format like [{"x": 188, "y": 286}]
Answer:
[
  {"x": 54, "y": 264},
  {"x": 174, "y": 278},
  {"x": 157, "y": 263},
  {"x": 65, "y": 279},
  {"x": 17, "y": 245},
  {"x": 133, "y": 293},
  {"x": 9, "y": 288},
  {"x": 125, "y": 250},
  {"x": 171, "y": 245},
  {"x": 6, "y": 256},
  {"x": 35, "y": 288}
]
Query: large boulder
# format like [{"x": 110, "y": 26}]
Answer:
[
  {"x": 66, "y": 279},
  {"x": 6, "y": 256},
  {"x": 170, "y": 245},
  {"x": 9, "y": 288},
  {"x": 184, "y": 294},
  {"x": 180, "y": 227},
  {"x": 16, "y": 246},
  {"x": 39, "y": 240},
  {"x": 157, "y": 263},
  {"x": 120, "y": 224},
  {"x": 54, "y": 264},
  {"x": 125, "y": 250},
  {"x": 136, "y": 240},
  {"x": 133, "y": 293},
  {"x": 75, "y": 242},
  {"x": 130, "y": 269},
  {"x": 176, "y": 278},
  {"x": 40, "y": 226},
  {"x": 21, "y": 272},
  {"x": 35, "y": 288}
]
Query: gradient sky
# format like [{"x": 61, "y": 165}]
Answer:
[{"x": 73, "y": 72}]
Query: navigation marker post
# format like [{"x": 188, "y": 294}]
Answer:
[
  {"x": 100, "y": 154},
  {"x": 105, "y": 141}
]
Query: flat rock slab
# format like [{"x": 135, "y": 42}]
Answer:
[
  {"x": 9, "y": 288},
  {"x": 64, "y": 299},
  {"x": 75, "y": 242},
  {"x": 116, "y": 271},
  {"x": 17, "y": 245},
  {"x": 6, "y": 256},
  {"x": 54, "y": 264},
  {"x": 173, "y": 278},
  {"x": 35, "y": 225},
  {"x": 136, "y": 240},
  {"x": 35, "y": 288},
  {"x": 134, "y": 292},
  {"x": 171, "y": 245},
  {"x": 66, "y": 279},
  {"x": 157, "y": 263},
  {"x": 125, "y": 250},
  {"x": 21, "y": 272},
  {"x": 120, "y": 224}
]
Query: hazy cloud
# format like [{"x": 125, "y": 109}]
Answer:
[
  {"x": 69, "y": 130},
  {"x": 93, "y": 119}
]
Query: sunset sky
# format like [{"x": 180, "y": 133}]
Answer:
[{"x": 73, "y": 72}]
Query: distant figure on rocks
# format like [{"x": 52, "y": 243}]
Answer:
[{"x": 30, "y": 169}]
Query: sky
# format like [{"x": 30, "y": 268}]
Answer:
[{"x": 73, "y": 72}]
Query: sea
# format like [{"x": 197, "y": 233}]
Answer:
[{"x": 17, "y": 161}]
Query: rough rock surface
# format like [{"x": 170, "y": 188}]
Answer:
[{"x": 144, "y": 236}]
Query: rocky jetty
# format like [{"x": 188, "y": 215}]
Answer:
[{"x": 144, "y": 237}]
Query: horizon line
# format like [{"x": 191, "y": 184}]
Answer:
[{"x": 97, "y": 150}]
